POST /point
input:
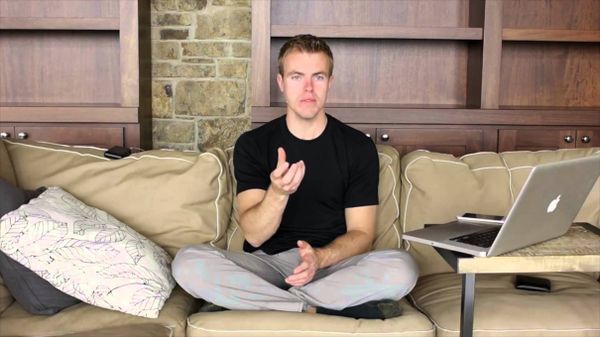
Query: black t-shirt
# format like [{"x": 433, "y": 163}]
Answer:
[{"x": 342, "y": 170}]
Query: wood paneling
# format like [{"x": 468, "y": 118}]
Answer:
[
  {"x": 393, "y": 72},
  {"x": 422, "y": 13},
  {"x": 59, "y": 8},
  {"x": 457, "y": 141},
  {"x": 129, "y": 54},
  {"x": 550, "y": 75},
  {"x": 499, "y": 74},
  {"x": 536, "y": 139},
  {"x": 59, "y": 67},
  {"x": 93, "y": 135},
  {"x": 72, "y": 71},
  {"x": 492, "y": 47},
  {"x": 261, "y": 52},
  {"x": 552, "y": 14}
]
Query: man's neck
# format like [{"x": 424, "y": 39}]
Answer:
[{"x": 306, "y": 129}]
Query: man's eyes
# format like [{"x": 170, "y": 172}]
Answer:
[{"x": 316, "y": 77}]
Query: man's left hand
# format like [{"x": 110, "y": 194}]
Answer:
[{"x": 309, "y": 264}]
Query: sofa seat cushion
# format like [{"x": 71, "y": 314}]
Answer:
[
  {"x": 233, "y": 323},
  {"x": 172, "y": 198},
  {"x": 137, "y": 330},
  {"x": 571, "y": 309},
  {"x": 80, "y": 318}
]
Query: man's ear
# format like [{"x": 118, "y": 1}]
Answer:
[
  {"x": 280, "y": 82},
  {"x": 331, "y": 78}
]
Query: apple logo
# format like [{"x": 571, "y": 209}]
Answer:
[{"x": 552, "y": 205}]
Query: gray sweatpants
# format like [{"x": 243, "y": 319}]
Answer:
[{"x": 255, "y": 281}]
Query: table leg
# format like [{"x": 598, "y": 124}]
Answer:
[{"x": 467, "y": 304}]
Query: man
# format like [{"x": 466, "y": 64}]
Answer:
[{"x": 307, "y": 198}]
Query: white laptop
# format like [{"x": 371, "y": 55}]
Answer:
[{"x": 546, "y": 207}]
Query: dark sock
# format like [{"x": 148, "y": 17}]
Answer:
[{"x": 370, "y": 310}]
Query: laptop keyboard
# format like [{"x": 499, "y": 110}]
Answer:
[{"x": 482, "y": 239}]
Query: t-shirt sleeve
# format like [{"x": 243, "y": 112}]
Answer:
[
  {"x": 363, "y": 179},
  {"x": 250, "y": 172}
]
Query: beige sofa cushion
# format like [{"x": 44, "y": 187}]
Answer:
[
  {"x": 285, "y": 324},
  {"x": 6, "y": 168},
  {"x": 6, "y": 298},
  {"x": 172, "y": 198},
  {"x": 436, "y": 187},
  {"x": 572, "y": 308},
  {"x": 387, "y": 232},
  {"x": 15, "y": 321}
]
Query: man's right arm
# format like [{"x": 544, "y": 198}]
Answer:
[{"x": 260, "y": 210}]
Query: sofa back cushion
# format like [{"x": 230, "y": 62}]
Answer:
[
  {"x": 387, "y": 232},
  {"x": 437, "y": 187},
  {"x": 172, "y": 198},
  {"x": 6, "y": 169}
]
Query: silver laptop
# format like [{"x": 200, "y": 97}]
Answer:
[{"x": 549, "y": 201}]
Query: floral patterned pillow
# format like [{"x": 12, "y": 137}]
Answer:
[{"x": 88, "y": 254}]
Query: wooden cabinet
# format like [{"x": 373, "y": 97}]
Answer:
[
  {"x": 70, "y": 71},
  {"x": 546, "y": 138},
  {"x": 454, "y": 76}
]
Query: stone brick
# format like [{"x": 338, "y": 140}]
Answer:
[
  {"x": 154, "y": 33},
  {"x": 195, "y": 71},
  {"x": 173, "y": 131},
  {"x": 162, "y": 105},
  {"x": 171, "y": 19},
  {"x": 198, "y": 60},
  {"x": 241, "y": 49},
  {"x": 174, "y": 34},
  {"x": 245, "y": 3},
  {"x": 204, "y": 49},
  {"x": 164, "y": 5},
  {"x": 165, "y": 50},
  {"x": 233, "y": 68},
  {"x": 162, "y": 69},
  {"x": 210, "y": 98},
  {"x": 220, "y": 132},
  {"x": 225, "y": 23},
  {"x": 191, "y": 5}
]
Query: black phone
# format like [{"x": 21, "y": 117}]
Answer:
[
  {"x": 532, "y": 283},
  {"x": 480, "y": 218},
  {"x": 117, "y": 152}
]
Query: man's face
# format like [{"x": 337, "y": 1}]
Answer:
[{"x": 305, "y": 83}]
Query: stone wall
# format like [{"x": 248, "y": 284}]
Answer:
[{"x": 200, "y": 72}]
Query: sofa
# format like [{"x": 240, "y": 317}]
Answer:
[{"x": 179, "y": 198}]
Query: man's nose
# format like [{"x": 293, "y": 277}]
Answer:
[{"x": 308, "y": 85}]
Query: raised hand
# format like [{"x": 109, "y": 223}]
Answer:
[
  {"x": 286, "y": 178},
  {"x": 309, "y": 264}
]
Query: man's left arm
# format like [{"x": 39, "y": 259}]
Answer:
[{"x": 360, "y": 224}]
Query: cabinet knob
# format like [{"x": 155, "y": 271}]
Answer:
[
  {"x": 385, "y": 137},
  {"x": 368, "y": 135},
  {"x": 568, "y": 139},
  {"x": 22, "y": 135},
  {"x": 4, "y": 135},
  {"x": 586, "y": 139}
]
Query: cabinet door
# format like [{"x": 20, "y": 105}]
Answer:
[
  {"x": 454, "y": 141},
  {"x": 536, "y": 139},
  {"x": 6, "y": 131},
  {"x": 73, "y": 135},
  {"x": 588, "y": 138}
]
